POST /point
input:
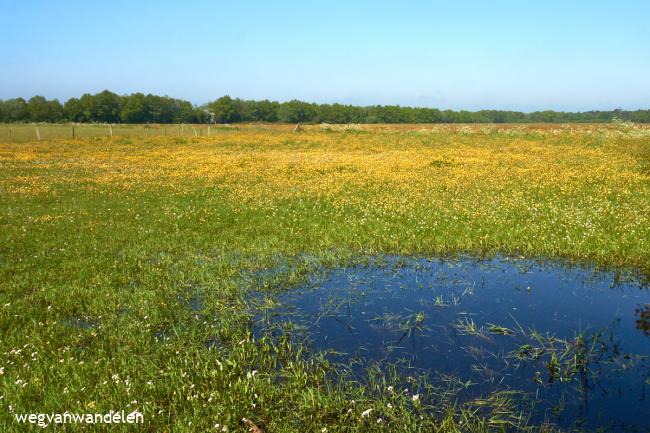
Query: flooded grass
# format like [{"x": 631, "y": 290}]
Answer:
[{"x": 569, "y": 341}]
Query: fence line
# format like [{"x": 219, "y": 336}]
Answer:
[{"x": 42, "y": 131}]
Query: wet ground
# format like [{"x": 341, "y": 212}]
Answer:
[{"x": 575, "y": 341}]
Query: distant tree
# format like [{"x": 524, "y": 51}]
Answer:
[
  {"x": 389, "y": 114},
  {"x": 184, "y": 112},
  {"x": 73, "y": 110},
  {"x": 105, "y": 107},
  {"x": 37, "y": 108},
  {"x": 202, "y": 116},
  {"x": 135, "y": 109},
  {"x": 87, "y": 103},
  {"x": 296, "y": 111},
  {"x": 14, "y": 110},
  {"x": 161, "y": 109},
  {"x": 101, "y": 107},
  {"x": 40, "y": 109},
  {"x": 334, "y": 113},
  {"x": 256, "y": 111},
  {"x": 224, "y": 110},
  {"x": 640, "y": 116},
  {"x": 245, "y": 110},
  {"x": 267, "y": 111},
  {"x": 545, "y": 116}
]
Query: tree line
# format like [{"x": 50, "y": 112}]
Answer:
[
  {"x": 105, "y": 107},
  {"x": 108, "y": 107}
]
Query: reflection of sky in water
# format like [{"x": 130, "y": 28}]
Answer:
[{"x": 406, "y": 310}]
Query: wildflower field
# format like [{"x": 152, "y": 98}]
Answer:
[{"x": 128, "y": 264}]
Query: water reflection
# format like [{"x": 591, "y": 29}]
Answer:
[{"x": 643, "y": 321}]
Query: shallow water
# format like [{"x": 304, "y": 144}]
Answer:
[{"x": 575, "y": 339}]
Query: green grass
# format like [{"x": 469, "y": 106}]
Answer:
[
  {"x": 26, "y": 132},
  {"x": 105, "y": 244}
]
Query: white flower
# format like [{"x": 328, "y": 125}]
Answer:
[
  {"x": 390, "y": 388},
  {"x": 323, "y": 430},
  {"x": 366, "y": 413},
  {"x": 416, "y": 397},
  {"x": 251, "y": 374},
  {"x": 389, "y": 406}
]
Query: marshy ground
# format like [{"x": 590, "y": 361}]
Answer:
[{"x": 133, "y": 269}]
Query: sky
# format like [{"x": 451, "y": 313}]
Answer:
[{"x": 526, "y": 55}]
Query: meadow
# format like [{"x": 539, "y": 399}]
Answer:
[
  {"x": 26, "y": 132},
  {"x": 106, "y": 242}
]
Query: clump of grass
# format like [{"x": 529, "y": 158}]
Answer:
[
  {"x": 500, "y": 330},
  {"x": 467, "y": 326}
]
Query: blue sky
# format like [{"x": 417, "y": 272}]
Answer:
[{"x": 524, "y": 55}]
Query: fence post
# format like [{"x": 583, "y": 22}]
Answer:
[
  {"x": 194, "y": 129},
  {"x": 208, "y": 130},
  {"x": 9, "y": 135},
  {"x": 73, "y": 132},
  {"x": 38, "y": 134},
  {"x": 182, "y": 130},
  {"x": 110, "y": 130},
  {"x": 165, "y": 129}
]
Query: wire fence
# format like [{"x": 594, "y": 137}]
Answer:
[
  {"x": 30, "y": 132},
  {"x": 48, "y": 131}
]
